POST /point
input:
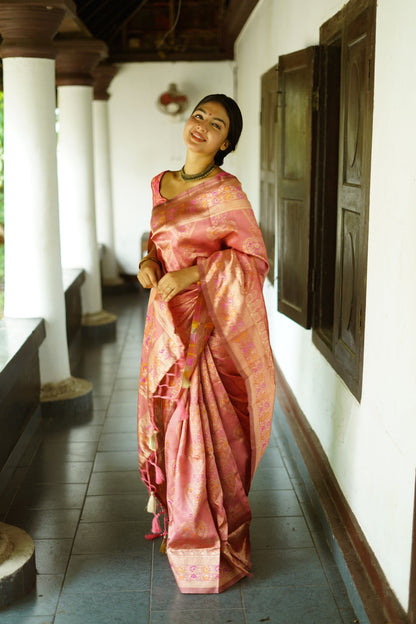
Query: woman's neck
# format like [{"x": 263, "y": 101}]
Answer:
[{"x": 194, "y": 164}]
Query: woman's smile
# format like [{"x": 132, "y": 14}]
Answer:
[{"x": 198, "y": 137}]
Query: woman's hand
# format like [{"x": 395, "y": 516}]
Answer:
[
  {"x": 173, "y": 283},
  {"x": 149, "y": 273}
]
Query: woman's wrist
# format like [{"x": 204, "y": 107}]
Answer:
[{"x": 150, "y": 258}]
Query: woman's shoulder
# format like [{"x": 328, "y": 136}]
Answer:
[
  {"x": 228, "y": 187},
  {"x": 156, "y": 179},
  {"x": 155, "y": 184}
]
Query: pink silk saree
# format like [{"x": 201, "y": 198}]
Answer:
[{"x": 206, "y": 388}]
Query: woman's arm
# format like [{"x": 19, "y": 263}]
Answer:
[
  {"x": 174, "y": 282},
  {"x": 150, "y": 269}
]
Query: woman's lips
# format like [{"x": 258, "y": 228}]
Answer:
[{"x": 198, "y": 137}]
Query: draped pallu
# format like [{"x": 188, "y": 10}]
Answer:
[{"x": 206, "y": 389}]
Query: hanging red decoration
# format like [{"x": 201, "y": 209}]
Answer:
[{"x": 172, "y": 102}]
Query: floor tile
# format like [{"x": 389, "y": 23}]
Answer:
[
  {"x": 66, "y": 472},
  {"x": 166, "y": 595},
  {"x": 113, "y": 537},
  {"x": 85, "y": 433},
  {"x": 101, "y": 402},
  {"x": 106, "y": 573},
  {"x": 269, "y": 503},
  {"x": 271, "y": 458},
  {"x": 283, "y": 567},
  {"x": 271, "y": 479},
  {"x": 115, "y": 507},
  {"x": 121, "y": 424},
  {"x": 200, "y": 616},
  {"x": 116, "y": 460},
  {"x": 52, "y": 555},
  {"x": 31, "y": 619},
  {"x": 118, "y": 442},
  {"x": 50, "y": 496},
  {"x": 115, "y": 482},
  {"x": 57, "y": 452},
  {"x": 124, "y": 396},
  {"x": 338, "y": 588},
  {"x": 46, "y": 523},
  {"x": 127, "y": 383},
  {"x": 127, "y": 607},
  {"x": 290, "y": 605},
  {"x": 286, "y": 532},
  {"x": 348, "y": 616},
  {"x": 41, "y": 601},
  {"x": 122, "y": 409}
]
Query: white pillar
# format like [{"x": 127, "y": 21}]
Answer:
[
  {"x": 76, "y": 190},
  {"x": 103, "y": 192},
  {"x": 33, "y": 277},
  {"x": 75, "y": 61}
]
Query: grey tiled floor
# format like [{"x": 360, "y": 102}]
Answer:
[{"x": 78, "y": 494}]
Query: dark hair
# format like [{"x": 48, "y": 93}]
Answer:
[{"x": 236, "y": 123}]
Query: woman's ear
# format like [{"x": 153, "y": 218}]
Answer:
[{"x": 225, "y": 145}]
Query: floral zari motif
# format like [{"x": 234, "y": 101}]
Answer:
[{"x": 206, "y": 388}]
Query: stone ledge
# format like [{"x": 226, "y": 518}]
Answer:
[{"x": 18, "y": 337}]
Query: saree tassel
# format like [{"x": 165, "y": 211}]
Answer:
[
  {"x": 152, "y": 442},
  {"x": 159, "y": 475},
  {"x": 162, "y": 548},
  {"x": 151, "y": 504},
  {"x": 156, "y": 526}
]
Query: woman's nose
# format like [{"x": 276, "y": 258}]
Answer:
[{"x": 202, "y": 124}]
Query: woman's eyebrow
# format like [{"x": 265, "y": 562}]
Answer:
[{"x": 205, "y": 112}]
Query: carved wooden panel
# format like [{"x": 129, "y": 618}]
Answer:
[
  {"x": 291, "y": 293},
  {"x": 296, "y": 176},
  {"x": 354, "y": 113},
  {"x": 350, "y": 264}
]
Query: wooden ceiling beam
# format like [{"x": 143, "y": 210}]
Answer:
[{"x": 236, "y": 15}]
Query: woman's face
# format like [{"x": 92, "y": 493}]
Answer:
[{"x": 207, "y": 129}]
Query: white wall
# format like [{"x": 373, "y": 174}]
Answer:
[
  {"x": 371, "y": 445},
  {"x": 145, "y": 141}
]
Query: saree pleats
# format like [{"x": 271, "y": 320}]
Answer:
[{"x": 206, "y": 385}]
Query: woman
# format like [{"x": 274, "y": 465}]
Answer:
[{"x": 206, "y": 388}]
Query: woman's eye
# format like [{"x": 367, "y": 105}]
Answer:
[
  {"x": 217, "y": 126},
  {"x": 198, "y": 116}
]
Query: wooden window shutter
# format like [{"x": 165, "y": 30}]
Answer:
[
  {"x": 353, "y": 192},
  {"x": 268, "y": 167},
  {"x": 352, "y": 31},
  {"x": 297, "y": 76}
]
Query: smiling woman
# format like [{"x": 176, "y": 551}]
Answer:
[{"x": 206, "y": 388}]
